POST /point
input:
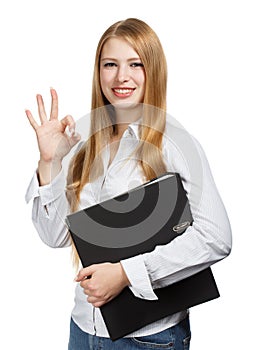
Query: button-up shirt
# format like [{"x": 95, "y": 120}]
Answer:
[{"x": 207, "y": 241}]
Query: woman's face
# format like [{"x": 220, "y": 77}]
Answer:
[{"x": 122, "y": 75}]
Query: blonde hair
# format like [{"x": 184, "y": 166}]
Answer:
[{"x": 86, "y": 165}]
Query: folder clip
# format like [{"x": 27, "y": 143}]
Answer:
[{"x": 181, "y": 227}]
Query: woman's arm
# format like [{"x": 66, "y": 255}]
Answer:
[
  {"x": 49, "y": 210},
  {"x": 204, "y": 243},
  {"x": 47, "y": 188}
]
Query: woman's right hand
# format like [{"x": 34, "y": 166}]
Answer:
[{"x": 53, "y": 142}]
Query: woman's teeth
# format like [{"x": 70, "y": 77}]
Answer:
[{"x": 123, "y": 91}]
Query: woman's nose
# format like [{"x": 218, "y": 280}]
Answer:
[{"x": 122, "y": 74}]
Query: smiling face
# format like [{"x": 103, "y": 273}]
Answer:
[{"x": 122, "y": 75}]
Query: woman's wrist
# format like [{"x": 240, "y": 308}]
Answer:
[
  {"x": 48, "y": 170},
  {"x": 125, "y": 279}
]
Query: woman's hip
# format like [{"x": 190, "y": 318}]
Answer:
[{"x": 173, "y": 338}]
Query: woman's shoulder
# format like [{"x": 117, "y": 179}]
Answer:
[
  {"x": 177, "y": 137},
  {"x": 180, "y": 147}
]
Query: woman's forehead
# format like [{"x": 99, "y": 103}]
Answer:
[{"x": 118, "y": 48}]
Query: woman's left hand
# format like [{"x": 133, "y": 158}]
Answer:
[{"x": 105, "y": 282}]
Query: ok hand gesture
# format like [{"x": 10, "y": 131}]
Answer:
[{"x": 53, "y": 142}]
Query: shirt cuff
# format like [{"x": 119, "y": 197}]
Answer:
[
  {"x": 47, "y": 193},
  {"x": 137, "y": 274},
  {"x": 33, "y": 187},
  {"x": 50, "y": 192}
]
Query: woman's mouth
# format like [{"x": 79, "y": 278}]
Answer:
[{"x": 123, "y": 92}]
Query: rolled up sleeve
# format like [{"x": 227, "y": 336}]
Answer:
[
  {"x": 49, "y": 210},
  {"x": 138, "y": 276}
]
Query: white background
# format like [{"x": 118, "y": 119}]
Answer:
[{"x": 211, "y": 53}]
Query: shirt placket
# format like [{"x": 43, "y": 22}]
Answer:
[{"x": 106, "y": 156}]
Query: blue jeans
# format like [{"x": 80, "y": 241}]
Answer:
[{"x": 174, "y": 338}]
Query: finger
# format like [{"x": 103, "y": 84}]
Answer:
[
  {"x": 75, "y": 137},
  {"x": 68, "y": 121},
  {"x": 92, "y": 299},
  {"x": 54, "y": 107},
  {"x": 99, "y": 303},
  {"x": 41, "y": 109},
  {"x": 85, "y": 272},
  {"x": 85, "y": 285},
  {"x": 96, "y": 302},
  {"x": 31, "y": 119}
]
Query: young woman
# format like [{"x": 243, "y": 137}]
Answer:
[{"x": 129, "y": 143}]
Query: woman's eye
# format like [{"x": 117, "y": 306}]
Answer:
[
  {"x": 137, "y": 64},
  {"x": 110, "y": 64}
]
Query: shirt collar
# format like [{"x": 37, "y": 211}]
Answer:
[{"x": 134, "y": 127}]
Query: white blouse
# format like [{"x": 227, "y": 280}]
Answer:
[{"x": 207, "y": 241}]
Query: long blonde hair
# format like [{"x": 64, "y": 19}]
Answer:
[{"x": 86, "y": 165}]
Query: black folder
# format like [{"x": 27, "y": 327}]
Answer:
[{"x": 133, "y": 223}]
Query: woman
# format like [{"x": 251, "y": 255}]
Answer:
[{"x": 128, "y": 128}]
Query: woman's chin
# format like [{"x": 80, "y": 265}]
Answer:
[{"x": 126, "y": 105}]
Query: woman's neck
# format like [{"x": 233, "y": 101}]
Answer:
[{"x": 126, "y": 116}]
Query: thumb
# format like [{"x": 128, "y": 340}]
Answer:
[
  {"x": 74, "y": 138},
  {"x": 85, "y": 273}
]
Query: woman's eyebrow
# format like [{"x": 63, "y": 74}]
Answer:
[
  {"x": 108, "y": 59},
  {"x": 116, "y": 59},
  {"x": 134, "y": 58}
]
